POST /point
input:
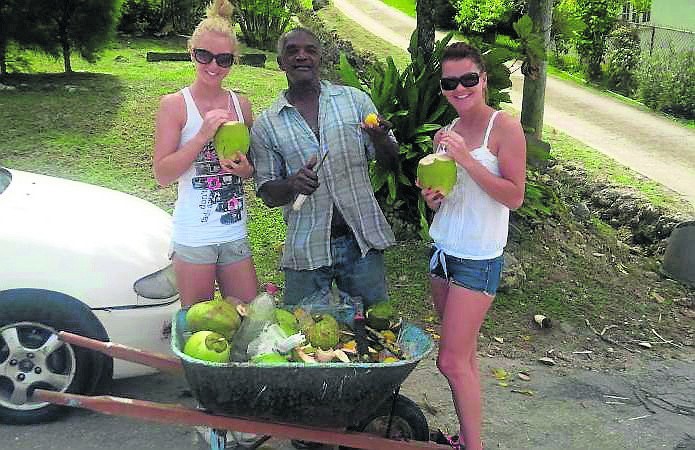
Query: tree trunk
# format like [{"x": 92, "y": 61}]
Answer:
[
  {"x": 66, "y": 56},
  {"x": 424, "y": 12},
  {"x": 541, "y": 11},
  {"x": 3, "y": 57}
]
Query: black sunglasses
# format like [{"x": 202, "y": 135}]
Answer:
[
  {"x": 205, "y": 57},
  {"x": 468, "y": 80}
]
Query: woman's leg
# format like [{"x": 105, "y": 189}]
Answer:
[
  {"x": 458, "y": 360},
  {"x": 238, "y": 280},
  {"x": 439, "y": 288},
  {"x": 196, "y": 282}
]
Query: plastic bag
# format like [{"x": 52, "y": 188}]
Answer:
[
  {"x": 274, "y": 340},
  {"x": 260, "y": 314},
  {"x": 325, "y": 301}
]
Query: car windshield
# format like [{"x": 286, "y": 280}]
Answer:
[{"x": 5, "y": 178}]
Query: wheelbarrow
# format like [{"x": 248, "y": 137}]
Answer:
[{"x": 356, "y": 405}]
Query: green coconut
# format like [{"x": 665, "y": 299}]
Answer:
[
  {"x": 380, "y": 315},
  {"x": 304, "y": 319},
  {"x": 269, "y": 358},
  {"x": 231, "y": 139},
  {"x": 214, "y": 315},
  {"x": 286, "y": 321},
  {"x": 437, "y": 172},
  {"x": 207, "y": 346},
  {"x": 324, "y": 333}
]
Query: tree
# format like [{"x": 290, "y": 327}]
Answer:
[
  {"x": 15, "y": 19},
  {"x": 424, "y": 12},
  {"x": 535, "y": 66},
  {"x": 600, "y": 17},
  {"x": 85, "y": 26}
]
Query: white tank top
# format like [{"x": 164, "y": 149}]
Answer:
[
  {"x": 210, "y": 207},
  {"x": 469, "y": 223}
]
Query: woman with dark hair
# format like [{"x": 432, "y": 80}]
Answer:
[{"x": 470, "y": 225}]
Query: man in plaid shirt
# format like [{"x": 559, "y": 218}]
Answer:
[{"x": 339, "y": 233}]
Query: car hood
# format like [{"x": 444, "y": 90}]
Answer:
[{"x": 89, "y": 234}]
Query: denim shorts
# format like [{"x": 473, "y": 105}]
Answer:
[
  {"x": 220, "y": 254},
  {"x": 482, "y": 275},
  {"x": 353, "y": 274}
]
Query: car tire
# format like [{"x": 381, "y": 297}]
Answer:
[
  {"x": 409, "y": 423},
  {"x": 29, "y": 320}
]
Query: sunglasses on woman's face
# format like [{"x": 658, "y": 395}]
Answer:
[
  {"x": 205, "y": 57},
  {"x": 468, "y": 80}
]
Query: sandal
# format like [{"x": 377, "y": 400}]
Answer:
[{"x": 439, "y": 437}]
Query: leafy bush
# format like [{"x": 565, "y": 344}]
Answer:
[
  {"x": 444, "y": 13},
  {"x": 183, "y": 15},
  {"x": 263, "y": 21},
  {"x": 599, "y": 16},
  {"x": 567, "y": 26},
  {"x": 622, "y": 58},
  {"x": 667, "y": 82},
  {"x": 482, "y": 17},
  {"x": 140, "y": 16}
]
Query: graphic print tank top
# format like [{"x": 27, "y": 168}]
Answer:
[{"x": 210, "y": 207}]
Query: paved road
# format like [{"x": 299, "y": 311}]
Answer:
[
  {"x": 647, "y": 143},
  {"x": 572, "y": 409}
]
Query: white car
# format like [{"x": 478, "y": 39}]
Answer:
[{"x": 84, "y": 259}]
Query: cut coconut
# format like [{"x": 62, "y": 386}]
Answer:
[
  {"x": 437, "y": 172},
  {"x": 231, "y": 139}
]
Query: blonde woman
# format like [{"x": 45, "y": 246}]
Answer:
[{"x": 209, "y": 234}]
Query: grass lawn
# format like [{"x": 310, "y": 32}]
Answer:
[
  {"x": 96, "y": 126},
  {"x": 406, "y": 6}
]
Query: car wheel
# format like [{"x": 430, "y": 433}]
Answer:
[
  {"x": 409, "y": 423},
  {"x": 32, "y": 356}
]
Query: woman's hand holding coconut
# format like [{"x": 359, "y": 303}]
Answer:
[
  {"x": 457, "y": 148},
  {"x": 240, "y": 166},
  {"x": 212, "y": 121}
]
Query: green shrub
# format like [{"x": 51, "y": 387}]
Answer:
[
  {"x": 140, "y": 16},
  {"x": 666, "y": 82},
  {"x": 183, "y": 15},
  {"x": 622, "y": 58},
  {"x": 482, "y": 17},
  {"x": 263, "y": 21},
  {"x": 444, "y": 13}
]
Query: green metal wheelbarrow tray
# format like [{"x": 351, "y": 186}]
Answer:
[{"x": 346, "y": 404}]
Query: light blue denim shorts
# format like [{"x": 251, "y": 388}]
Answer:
[
  {"x": 482, "y": 275},
  {"x": 220, "y": 254}
]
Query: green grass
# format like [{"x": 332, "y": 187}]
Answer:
[
  {"x": 600, "y": 166},
  {"x": 406, "y": 6}
]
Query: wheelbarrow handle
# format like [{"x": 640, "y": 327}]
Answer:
[
  {"x": 157, "y": 360},
  {"x": 177, "y": 414}
]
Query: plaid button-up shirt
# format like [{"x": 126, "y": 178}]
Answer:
[{"x": 282, "y": 143}]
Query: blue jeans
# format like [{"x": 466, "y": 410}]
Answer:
[
  {"x": 482, "y": 275},
  {"x": 353, "y": 274}
]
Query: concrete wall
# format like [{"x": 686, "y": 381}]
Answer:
[{"x": 678, "y": 14}]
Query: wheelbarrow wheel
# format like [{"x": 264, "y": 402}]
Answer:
[{"x": 409, "y": 423}]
